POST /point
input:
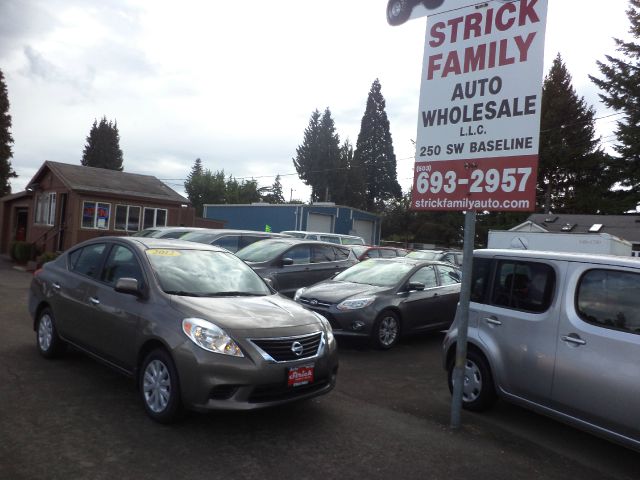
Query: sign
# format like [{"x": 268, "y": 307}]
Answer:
[{"x": 479, "y": 115}]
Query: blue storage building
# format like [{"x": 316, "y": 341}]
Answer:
[{"x": 317, "y": 217}]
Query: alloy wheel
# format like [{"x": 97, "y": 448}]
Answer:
[
  {"x": 157, "y": 386},
  {"x": 45, "y": 332}
]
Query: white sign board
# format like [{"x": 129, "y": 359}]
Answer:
[{"x": 479, "y": 114}]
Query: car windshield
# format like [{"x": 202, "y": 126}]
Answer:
[
  {"x": 423, "y": 255},
  {"x": 144, "y": 233},
  {"x": 375, "y": 272},
  {"x": 198, "y": 237},
  {"x": 262, "y": 251},
  {"x": 204, "y": 273}
]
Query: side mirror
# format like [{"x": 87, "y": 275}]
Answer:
[
  {"x": 419, "y": 286},
  {"x": 287, "y": 261},
  {"x": 128, "y": 285},
  {"x": 269, "y": 283}
]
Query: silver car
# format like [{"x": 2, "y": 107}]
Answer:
[
  {"x": 193, "y": 324},
  {"x": 558, "y": 333}
]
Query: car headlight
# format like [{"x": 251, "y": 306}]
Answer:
[
  {"x": 210, "y": 337},
  {"x": 299, "y": 292},
  {"x": 355, "y": 303},
  {"x": 327, "y": 327}
]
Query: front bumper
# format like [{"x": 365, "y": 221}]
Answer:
[
  {"x": 211, "y": 381},
  {"x": 351, "y": 323}
]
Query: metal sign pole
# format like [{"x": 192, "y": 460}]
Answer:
[{"x": 463, "y": 317}]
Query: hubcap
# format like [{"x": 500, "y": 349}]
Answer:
[
  {"x": 472, "y": 386},
  {"x": 45, "y": 332},
  {"x": 157, "y": 386},
  {"x": 388, "y": 331}
]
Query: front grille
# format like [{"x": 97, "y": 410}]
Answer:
[
  {"x": 280, "y": 349},
  {"x": 312, "y": 302}
]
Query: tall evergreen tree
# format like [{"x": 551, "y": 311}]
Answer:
[
  {"x": 573, "y": 173},
  {"x": 374, "y": 155},
  {"x": 273, "y": 194},
  {"x": 330, "y": 169},
  {"x": 6, "y": 140},
  {"x": 307, "y": 160},
  {"x": 103, "y": 146},
  {"x": 195, "y": 186},
  {"x": 620, "y": 84},
  {"x": 351, "y": 181}
]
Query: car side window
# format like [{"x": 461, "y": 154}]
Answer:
[
  {"x": 300, "y": 254},
  {"x": 373, "y": 254},
  {"x": 121, "y": 263},
  {"x": 89, "y": 260},
  {"x": 323, "y": 253},
  {"x": 609, "y": 299},
  {"x": 480, "y": 279},
  {"x": 230, "y": 242},
  {"x": 426, "y": 276},
  {"x": 524, "y": 286},
  {"x": 330, "y": 238},
  {"x": 341, "y": 253},
  {"x": 387, "y": 253},
  {"x": 249, "y": 239},
  {"x": 448, "y": 275}
]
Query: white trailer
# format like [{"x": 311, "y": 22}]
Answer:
[{"x": 602, "y": 243}]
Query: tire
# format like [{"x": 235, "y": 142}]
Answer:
[
  {"x": 386, "y": 330},
  {"x": 432, "y": 4},
  {"x": 479, "y": 392},
  {"x": 398, "y": 11},
  {"x": 47, "y": 340},
  {"x": 159, "y": 387}
]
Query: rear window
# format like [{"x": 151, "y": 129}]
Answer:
[{"x": 610, "y": 299}]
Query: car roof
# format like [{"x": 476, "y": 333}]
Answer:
[
  {"x": 295, "y": 241},
  {"x": 145, "y": 243},
  {"x": 320, "y": 233},
  {"x": 410, "y": 261},
  {"x": 234, "y": 231},
  {"x": 603, "y": 259}
]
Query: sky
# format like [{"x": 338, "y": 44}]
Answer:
[{"x": 234, "y": 83}]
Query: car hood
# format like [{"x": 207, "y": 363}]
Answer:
[
  {"x": 334, "y": 291},
  {"x": 247, "y": 313}
]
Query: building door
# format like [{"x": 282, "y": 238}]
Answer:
[
  {"x": 21, "y": 223},
  {"x": 317, "y": 222},
  {"x": 364, "y": 229}
]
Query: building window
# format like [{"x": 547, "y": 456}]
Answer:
[
  {"x": 46, "y": 208},
  {"x": 127, "y": 218},
  {"x": 155, "y": 217},
  {"x": 96, "y": 215}
]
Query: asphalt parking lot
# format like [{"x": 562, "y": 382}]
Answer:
[{"x": 388, "y": 417}]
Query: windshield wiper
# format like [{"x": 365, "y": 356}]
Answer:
[
  {"x": 232, "y": 294},
  {"x": 183, "y": 293}
]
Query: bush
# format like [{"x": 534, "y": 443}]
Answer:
[
  {"x": 22, "y": 252},
  {"x": 46, "y": 257}
]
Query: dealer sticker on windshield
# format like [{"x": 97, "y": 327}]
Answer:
[
  {"x": 300, "y": 376},
  {"x": 162, "y": 252}
]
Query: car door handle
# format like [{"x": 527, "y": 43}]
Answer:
[
  {"x": 492, "y": 321},
  {"x": 573, "y": 339},
  {"x": 56, "y": 286},
  {"x": 94, "y": 300}
]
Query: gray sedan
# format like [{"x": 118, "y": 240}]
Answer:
[
  {"x": 381, "y": 299},
  {"x": 193, "y": 324}
]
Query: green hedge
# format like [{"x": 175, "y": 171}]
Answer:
[{"x": 22, "y": 252}]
